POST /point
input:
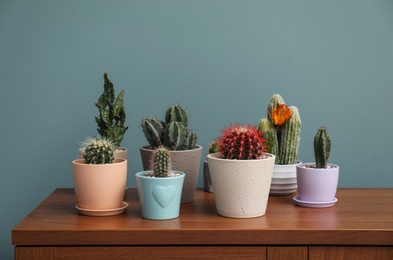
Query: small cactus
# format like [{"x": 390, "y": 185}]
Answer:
[
  {"x": 173, "y": 133},
  {"x": 161, "y": 162},
  {"x": 241, "y": 142},
  {"x": 322, "y": 145},
  {"x": 112, "y": 115},
  {"x": 282, "y": 130},
  {"x": 98, "y": 150}
]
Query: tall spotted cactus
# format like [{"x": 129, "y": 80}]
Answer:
[
  {"x": 161, "y": 162},
  {"x": 173, "y": 133},
  {"x": 322, "y": 144},
  {"x": 98, "y": 150},
  {"x": 112, "y": 117},
  {"x": 282, "y": 130}
]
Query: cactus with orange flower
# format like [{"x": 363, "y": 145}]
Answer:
[{"x": 282, "y": 130}]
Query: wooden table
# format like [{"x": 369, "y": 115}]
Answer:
[{"x": 359, "y": 225}]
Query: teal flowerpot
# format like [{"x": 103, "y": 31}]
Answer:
[{"x": 159, "y": 197}]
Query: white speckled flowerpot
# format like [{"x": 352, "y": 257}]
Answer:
[
  {"x": 187, "y": 161},
  {"x": 241, "y": 187}
]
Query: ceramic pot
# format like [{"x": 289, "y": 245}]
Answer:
[
  {"x": 241, "y": 187},
  {"x": 99, "y": 186},
  {"x": 159, "y": 197},
  {"x": 121, "y": 153},
  {"x": 207, "y": 182},
  {"x": 186, "y": 161},
  {"x": 284, "y": 179},
  {"x": 317, "y": 185}
]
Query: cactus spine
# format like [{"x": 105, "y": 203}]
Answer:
[
  {"x": 98, "y": 151},
  {"x": 173, "y": 133},
  {"x": 322, "y": 145},
  {"x": 282, "y": 130},
  {"x": 161, "y": 162},
  {"x": 241, "y": 142},
  {"x": 112, "y": 115}
]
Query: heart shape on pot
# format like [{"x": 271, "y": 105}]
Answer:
[{"x": 164, "y": 195}]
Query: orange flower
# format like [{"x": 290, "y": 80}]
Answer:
[{"x": 280, "y": 114}]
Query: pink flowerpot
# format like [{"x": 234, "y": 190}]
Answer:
[
  {"x": 317, "y": 185},
  {"x": 100, "y": 186}
]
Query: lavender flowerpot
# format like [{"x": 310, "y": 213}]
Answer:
[{"x": 317, "y": 185}]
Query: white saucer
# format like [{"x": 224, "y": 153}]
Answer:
[
  {"x": 104, "y": 212},
  {"x": 314, "y": 204}
]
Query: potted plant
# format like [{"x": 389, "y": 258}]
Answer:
[
  {"x": 207, "y": 183},
  {"x": 112, "y": 116},
  {"x": 241, "y": 172},
  {"x": 174, "y": 134},
  {"x": 282, "y": 130},
  {"x": 160, "y": 189},
  {"x": 99, "y": 178},
  {"x": 317, "y": 182}
]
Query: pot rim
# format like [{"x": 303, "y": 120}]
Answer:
[
  {"x": 141, "y": 175},
  {"x": 116, "y": 161},
  {"x": 215, "y": 156},
  {"x": 301, "y": 166}
]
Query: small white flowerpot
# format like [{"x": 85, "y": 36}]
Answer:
[
  {"x": 241, "y": 187},
  {"x": 284, "y": 179},
  {"x": 317, "y": 184}
]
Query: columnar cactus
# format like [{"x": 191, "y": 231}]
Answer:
[
  {"x": 98, "y": 151},
  {"x": 173, "y": 133},
  {"x": 112, "y": 115},
  {"x": 161, "y": 162},
  {"x": 322, "y": 144},
  {"x": 241, "y": 142},
  {"x": 282, "y": 130}
]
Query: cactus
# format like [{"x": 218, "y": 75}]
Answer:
[
  {"x": 153, "y": 130},
  {"x": 290, "y": 138},
  {"x": 161, "y": 162},
  {"x": 269, "y": 133},
  {"x": 322, "y": 145},
  {"x": 98, "y": 150},
  {"x": 282, "y": 130},
  {"x": 176, "y": 113},
  {"x": 173, "y": 133},
  {"x": 241, "y": 142},
  {"x": 112, "y": 115}
]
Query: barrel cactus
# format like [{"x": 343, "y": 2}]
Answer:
[
  {"x": 241, "y": 142},
  {"x": 112, "y": 117},
  {"x": 98, "y": 150},
  {"x": 282, "y": 130},
  {"x": 322, "y": 144},
  {"x": 172, "y": 133}
]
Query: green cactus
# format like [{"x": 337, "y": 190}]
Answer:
[
  {"x": 153, "y": 130},
  {"x": 282, "y": 130},
  {"x": 174, "y": 133},
  {"x": 290, "y": 138},
  {"x": 270, "y": 134},
  {"x": 98, "y": 150},
  {"x": 322, "y": 145},
  {"x": 112, "y": 115},
  {"x": 161, "y": 162},
  {"x": 176, "y": 113}
]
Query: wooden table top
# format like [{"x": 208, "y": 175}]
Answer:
[{"x": 362, "y": 216}]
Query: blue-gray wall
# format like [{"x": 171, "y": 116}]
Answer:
[{"x": 221, "y": 59}]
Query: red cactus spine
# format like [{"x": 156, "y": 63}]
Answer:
[{"x": 241, "y": 142}]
